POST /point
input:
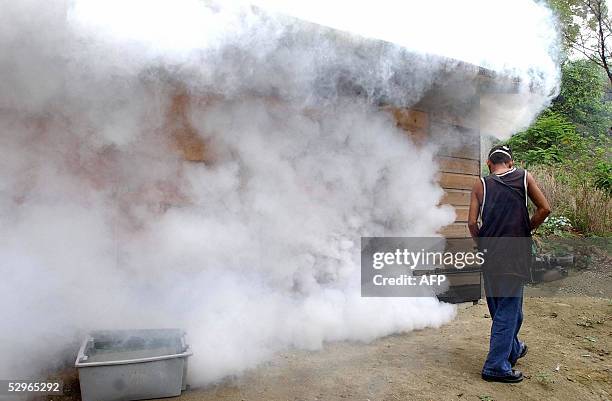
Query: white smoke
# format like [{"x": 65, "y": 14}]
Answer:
[
  {"x": 104, "y": 225},
  {"x": 517, "y": 38}
]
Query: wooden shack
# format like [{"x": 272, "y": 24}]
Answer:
[{"x": 448, "y": 115}]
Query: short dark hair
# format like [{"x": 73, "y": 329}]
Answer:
[{"x": 500, "y": 154}]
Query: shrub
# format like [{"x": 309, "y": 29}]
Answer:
[
  {"x": 603, "y": 176},
  {"x": 581, "y": 98},
  {"x": 568, "y": 149},
  {"x": 551, "y": 139},
  {"x": 556, "y": 225},
  {"x": 570, "y": 194}
]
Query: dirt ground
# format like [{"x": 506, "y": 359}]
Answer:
[
  {"x": 569, "y": 359},
  {"x": 568, "y": 326}
]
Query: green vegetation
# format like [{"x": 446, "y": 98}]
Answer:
[
  {"x": 551, "y": 139},
  {"x": 545, "y": 378},
  {"x": 580, "y": 100},
  {"x": 557, "y": 226},
  {"x": 586, "y": 30},
  {"x": 568, "y": 149}
]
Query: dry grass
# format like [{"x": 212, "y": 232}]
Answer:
[{"x": 588, "y": 208}]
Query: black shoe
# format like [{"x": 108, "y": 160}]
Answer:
[
  {"x": 515, "y": 377},
  {"x": 523, "y": 353}
]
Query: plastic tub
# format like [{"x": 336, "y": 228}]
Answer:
[{"x": 133, "y": 365}]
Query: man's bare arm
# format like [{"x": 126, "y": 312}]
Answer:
[
  {"x": 474, "y": 211},
  {"x": 539, "y": 200}
]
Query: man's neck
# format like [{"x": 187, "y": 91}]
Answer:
[{"x": 500, "y": 169}]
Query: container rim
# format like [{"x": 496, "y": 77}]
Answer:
[
  {"x": 81, "y": 357},
  {"x": 79, "y": 364}
]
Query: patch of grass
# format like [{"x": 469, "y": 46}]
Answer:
[{"x": 545, "y": 378}]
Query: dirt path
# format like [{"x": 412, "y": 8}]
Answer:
[
  {"x": 568, "y": 326},
  {"x": 569, "y": 359}
]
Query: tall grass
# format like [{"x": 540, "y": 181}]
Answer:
[{"x": 572, "y": 195}]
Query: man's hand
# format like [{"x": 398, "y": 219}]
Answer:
[
  {"x": 539, "y": 200},
  {"x": 474, "y": 211}
]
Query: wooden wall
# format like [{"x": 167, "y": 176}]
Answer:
[{"x": 458, "y": 139}]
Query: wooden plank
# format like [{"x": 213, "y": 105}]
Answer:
[
  {"x": 456, "y": 165},
  {"x": 454, "y": 141},
  {"x": 409, "y": 118},
  {"x": 456, "y": 230},
  {"x": 460, "y": 245},
  {"x": 414, "y": 122},
  {"x": 462, "y": 214},
  {"x": 457, "y": 181},
  {"x": 456, "y": 119},
  {"x": 186, "y": 139},
  {"x": 192, "y": 148},
  {"x": 456, "y": 197},
  {"x": 418, "y": 135},
  {"x": 465, "y": 278},
  {"x": 462, "y": 151}
]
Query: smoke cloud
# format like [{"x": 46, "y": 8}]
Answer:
[{"x": 253, "y": 249}]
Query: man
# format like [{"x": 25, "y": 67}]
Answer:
[{"x": 500, "y": 200}]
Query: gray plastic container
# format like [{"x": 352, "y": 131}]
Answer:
[{"x": 133, "y": 365}]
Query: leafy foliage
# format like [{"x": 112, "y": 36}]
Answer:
[
  {"x": 572, "y": 134},
  {"x": 559, "y": 223},
  {"x": 586, "y": 28},
  {"x": 550, "y": 140},
  {"x": 570, "y": 27},
  {"x": 603, "y": 176},
  {"x": 555, "y": 225},
  {"x": 581, "y": 99},
  {"x": 568, "y": 149},
  {"x": 553, "y": 141}
]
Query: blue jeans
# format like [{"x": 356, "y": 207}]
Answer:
[{"x": 507, "y": 316}]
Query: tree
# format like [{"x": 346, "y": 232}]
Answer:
[
  {"x": 587, "y": 29},
  {"x": 581, "y": 99}
]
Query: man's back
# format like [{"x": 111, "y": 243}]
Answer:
[{"x": 503, "y": 210}]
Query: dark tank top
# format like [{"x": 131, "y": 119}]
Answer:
[
  {"x": 504, "y": 205},
  {"x": 506, "y": 229}
]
